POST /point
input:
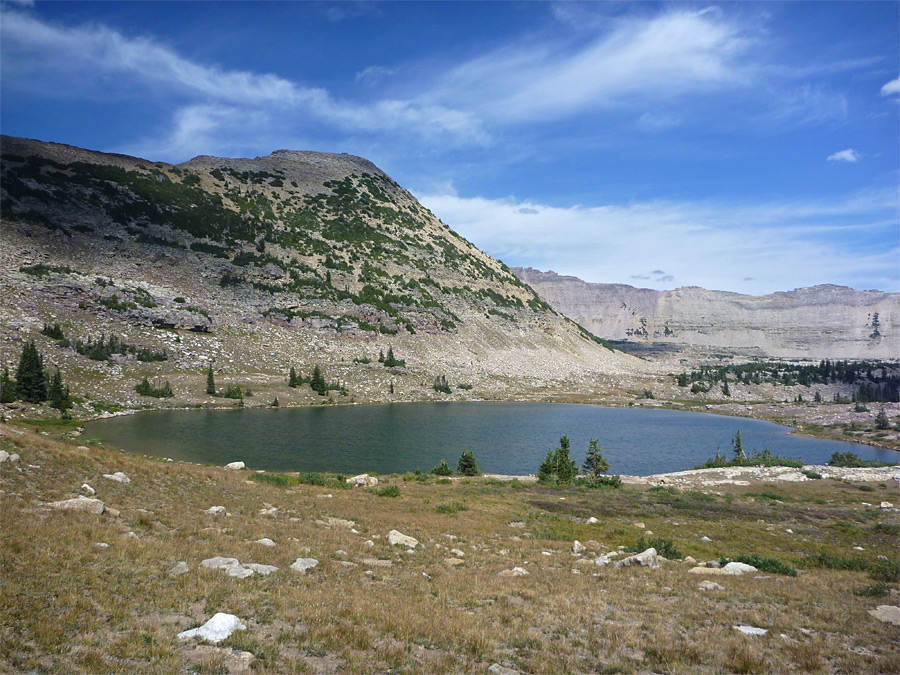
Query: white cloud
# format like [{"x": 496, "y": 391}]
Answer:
[
  {"x": 892, "y": 87},
  {"x": 748, "y": 247},
  {"x": 848, "y": 155},
  {"x": 373, "y": 74}
]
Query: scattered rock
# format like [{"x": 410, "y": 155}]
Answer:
[
  {"x": 376, "y": 562},
  {"x": 369, "y": 543},
  {"x": 216, "y": 511},
  {"x": 181, "y": 567},
  {"x": 751, "y": 630},
  {"x": 640, "y": 526},
  {"x": 303, "y": 564},
  {"x": 231, "y": 566},
  {"x": 363, "y": 480},
  {"x": 235, "y": 466},
  {"x": 265, "y": 541},
  {"x": 497, "y": 669},
  {"x": 886, "y": 505},
  {"x": 648, "y": 558},
  {"x": 578, "y": 548},
  {"x": 458, "y": 553},
  {"x": 739, "y": 568},
  {"x": 705, "y": 538},
  {"x": 592, "y": 521},
  {"x": 514, "y": 572},
  {"x": 396, "y": 538},
  {"x": 519, "y": 524},
  {"x": 118, "y": 476},
  {"x": 269, "y": 511},
  {"x": 81, "y": 503},
  {"x": 219, "y": 627},
  {"x": 454, "y": 562},
  {"x": 101, "y": 544},
  {"x": 887, "y": 613},
  {"x": 689, "y": 559},
  {"x": 601, "y": 560},
  {"x": 4, "y": 456},
  {"x": 87, "y": 488},
  {"x": 707, "y": 585}
]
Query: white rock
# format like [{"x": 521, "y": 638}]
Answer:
[
  {"x": 514, "y": 572},
  {"x": 497, "y": 669},
  {"x": 578, "y": 548},
  {"x": 265, "y": 541},
  {"x": 118, "y": 476},
  {"x": 886, "y": 505},
  {"x": 592, "y": 521},
  {"x": 271, "y": 511},
  {"x": 739, "y": 567},
  {"x": 219, "y": 627},
  {"x": 87, "y": 488},
  {"x": 216, "y": 511},
  {"x": 858, "y": 548},
  {"x": 705, "y": 538},
  {"x": 218, "y": 562},
  {"x": 648, "y": 558},
  {"x": 101, "y": 544},
  {"x": 363, "y": 480},
  {"x": 458, "y": 553},
  {"x": 4, "y": 456},
  {"x": 707, "y": 585},
  {"x": 235, "y": 466},
  {"x": 369, "y": 543},
  {"x": 303, "y": 564},
  {"x": 396, "y": 538},
  {"x": 601, "y": 560},
  {"x": 887, "y": 613},
  {"x": 751, "y": 630},
  {"x": 81, "y": 503},
  {"x": 181, "y": 567},
  {"x": 265, "y": 570}
]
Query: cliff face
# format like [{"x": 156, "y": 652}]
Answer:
[
  {"x": 290, "y": 259},
  {"x": 818, "y": 322}
]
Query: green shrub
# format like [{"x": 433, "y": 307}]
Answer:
[
  {"x": 876, "y": 590},
  {"x": 453, "y": 507},
  {"x": 444, "y": 481},
  {"x": 886, "y": 528},
  {"x": 767, "y": 565},
  {"x": 815, "y": 475},
  {"x": 388, "y": 491},
  {"x": 312, "y": 479},
  {"x": 600, "y": 481},
  {"x": 275, "y": 479},
  {"x": 442, "y": 469}
]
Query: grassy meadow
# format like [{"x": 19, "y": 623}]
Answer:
[{"x": 70, "y": 605}]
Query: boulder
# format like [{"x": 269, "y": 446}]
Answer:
[
  {"x": 887, "y": 613},
  {"x": 235, "y": 466},
  {"x": 118, "y": 476},
  {"x": 6, "y": 457},
  {"x": 87, "y": 488},
  {"x": 265, "y": 570},
  {"x": 181, "y": 567},
  {"x": 265, "y": 541},
  {"x": 720, "y": 571},
  {"x": 219, "y": 627},
  {"x": 751, "y": 630},
  {"x": 739, "y": 568},
  {"x": 303, "y": 564},
  {"x": 886, "y": 505},
  {"x": 707, "y": 585},
  {"x": 497, "y": 669},
  {"x": 231, "y": 566},
  {"x": 592, "y": 521},
  {"x": 216, "y": 511},
  {"x": 578, "y": 548},
  {"x": 514, "y": 572},
  {"x": 396, "y": 538},
  {"x": 648, "y": 558},
  {"x": 601, "y": 560},
  {"x": 458, "y": 553},
  {"x": 454, "y": 562},
  {"x": 81, "y": 503},
  {"x": 363, "y": 480}
]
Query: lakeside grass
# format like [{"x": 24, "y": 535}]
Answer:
[{"x": 69, "y": 606}]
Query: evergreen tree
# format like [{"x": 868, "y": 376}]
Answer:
[
  {"x": 726, "y": 391},
  {"x": 817, "y": 398},
  {"x": 7, "y": 387},
  {"x": 881, "y": 420},
  {"x": 275, "y": 402},
  {"x": 31, "y": 381},
  {"x": 595, "y": 464},
  {"x": 380, "y": 356},
  {"x": 738, "y": 447},
  {"x": 317, "y": 381},
  {"x": 292, "y": 378},
  {"x": 392, "y": 387},
  {"x": 442, "y": 469},
  {"x": 466, "y": 465},
  {"x": 557, "y": 466},
  {"x": 210, "y": 381},
  {"x": 58, "y": 393}
]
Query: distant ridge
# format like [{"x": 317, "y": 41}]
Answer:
[{"x": 825, "y": 321}]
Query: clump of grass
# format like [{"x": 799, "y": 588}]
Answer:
[
  {"x": 599, "y": 482},
  {"x": 814, "y": 475},
  {"x": 767, "y": 494},
  {"x": 275, "y": 479},
  {"x": 767, "y": 564},
  {"x": 451, "y": 508},
  {"x": 880, "y": 569},
  {"x": 886, "y": 528},
  {"x": 852, "y": 460},
  {"x": 876, "y": 590},
  {"x": 388, "y": 491}
]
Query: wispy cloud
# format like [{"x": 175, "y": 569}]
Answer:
[
  {"x": 760, "y": 248},
  {"x": 848, "y": 155},
  {"x": 892, "y": 87}
]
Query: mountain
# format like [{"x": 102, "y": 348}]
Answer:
[
  {"x": 296, "y": 258},
  {"x": 818, "y": 322}
]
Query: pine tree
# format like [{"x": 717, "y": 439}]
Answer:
[
  {"x": 595, "y": 464},
  {"x": 292, "y": 378},
  {"x": 31, "y": 381},
  {"x": 58, "y": 393},
  {"x": 210, "y": 381},
  {"x": 392, "y": 387},
  {"x": 738, "y": 447},
  {"x": 466, "y": 465},
  {"x": 881, "y": 420},
  {"x": 317, "y": 382},
  {"x": 380, "y": 356},
  {"x": 275, "y": 403},
  {"x": 7, "y": 387},
  {"x": 557, "y": 466}
]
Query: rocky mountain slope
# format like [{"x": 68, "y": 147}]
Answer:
[
  {"x": 255, "y": 265},
  {"x": 819, "y": 322}
]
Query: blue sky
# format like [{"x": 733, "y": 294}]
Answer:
[{"x": 751, "y": 147}]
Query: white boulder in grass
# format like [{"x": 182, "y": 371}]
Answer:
[
  {"x": 514, "y": 572},
  {"x": 80, "y": 503},
  {"x": 303, "y": 564},
  {"x": 219, "y": 627},
  {"x": 235, "y": 466},
  {"x": 396, "y": 538},
  {"x": 216, "y": 511},
  {"x": 648, "y": 558},
  {"x": 118, "y": 476}
]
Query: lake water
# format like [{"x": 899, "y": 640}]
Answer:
[{"x": 510, "y": 438}]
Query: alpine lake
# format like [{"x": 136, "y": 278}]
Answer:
[{"x": 506, "y": 438}]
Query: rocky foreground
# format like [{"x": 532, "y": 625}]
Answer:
[{"x": 113, "y": 563}]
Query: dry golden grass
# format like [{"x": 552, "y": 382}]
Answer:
[{"x": 69, "y": 606}]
